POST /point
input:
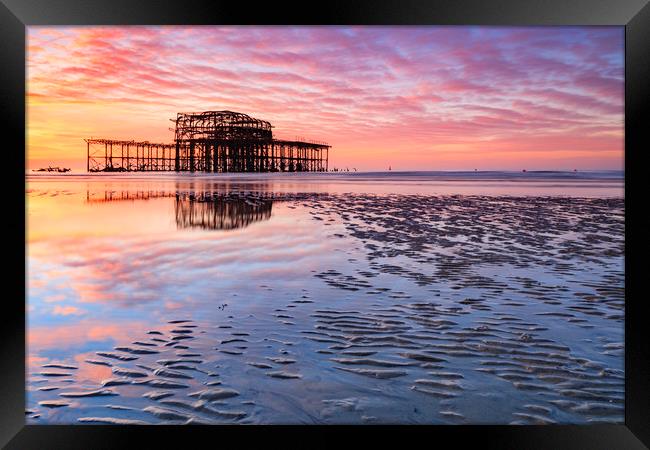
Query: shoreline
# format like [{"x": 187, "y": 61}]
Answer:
[
  {"x": 383, "y": 184},
  {"x": 445, "y": 175}
]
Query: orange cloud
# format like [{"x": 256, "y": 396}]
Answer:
[
  {"x": 67, "y": 311},
  {"x": 78, "y": 333},
  {"x": 381, "y": 96}
]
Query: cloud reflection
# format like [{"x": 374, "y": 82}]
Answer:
[{"x": 177, "y": 266}]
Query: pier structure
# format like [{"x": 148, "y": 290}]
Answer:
[
  {"x": 211, "y": 141},
  {"x": 109, "y": 155}
]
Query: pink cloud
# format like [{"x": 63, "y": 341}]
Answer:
[
  {"x": 67, "y": 311},
  {"x": 350, "y": 86}
]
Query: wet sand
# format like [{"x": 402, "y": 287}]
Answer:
[{"x": 432, "y": 310}]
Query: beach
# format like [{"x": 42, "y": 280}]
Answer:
[{"x": 405, "y": 298}]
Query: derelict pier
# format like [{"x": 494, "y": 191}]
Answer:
[{"x": 211, "y": 141}]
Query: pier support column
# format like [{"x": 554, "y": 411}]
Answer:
[
  {"x": 192, "y": 156},
  {"x": 206, "y": 151}
]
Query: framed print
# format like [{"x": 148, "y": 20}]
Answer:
[{"x": 374, "y": 219}]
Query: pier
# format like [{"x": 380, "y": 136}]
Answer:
[{"x": 211, "y": 141}]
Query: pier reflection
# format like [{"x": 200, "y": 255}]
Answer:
[
  {"x": 215, "y": 212},
  {"x": 211, "y": 209}
]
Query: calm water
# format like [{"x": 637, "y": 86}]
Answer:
[{"x": 330, "y": 298}]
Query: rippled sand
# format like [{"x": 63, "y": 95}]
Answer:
[{"x": 440, "y": 309}]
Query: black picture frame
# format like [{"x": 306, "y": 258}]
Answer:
[{"x": 15, "y": 15}]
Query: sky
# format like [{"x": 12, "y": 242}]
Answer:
[{"x": 412, "y": 98}]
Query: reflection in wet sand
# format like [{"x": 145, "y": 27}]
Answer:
[
  {"x": 353, "y": 308},
  {"x": 207, "y": 210},
  {"x": 210, "y": 212},
  {"x": 126, "y": 195}
]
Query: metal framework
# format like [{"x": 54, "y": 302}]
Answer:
[
  {"x": 211, "y": 141},
  {"x": 108, "y": 155}
]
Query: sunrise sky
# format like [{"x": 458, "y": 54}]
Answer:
[{"x": 414, "y": 98}]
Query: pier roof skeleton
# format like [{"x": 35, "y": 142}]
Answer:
[
  {"x": 223, "y": 125},
  {"x": 211, "y": 141}
]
